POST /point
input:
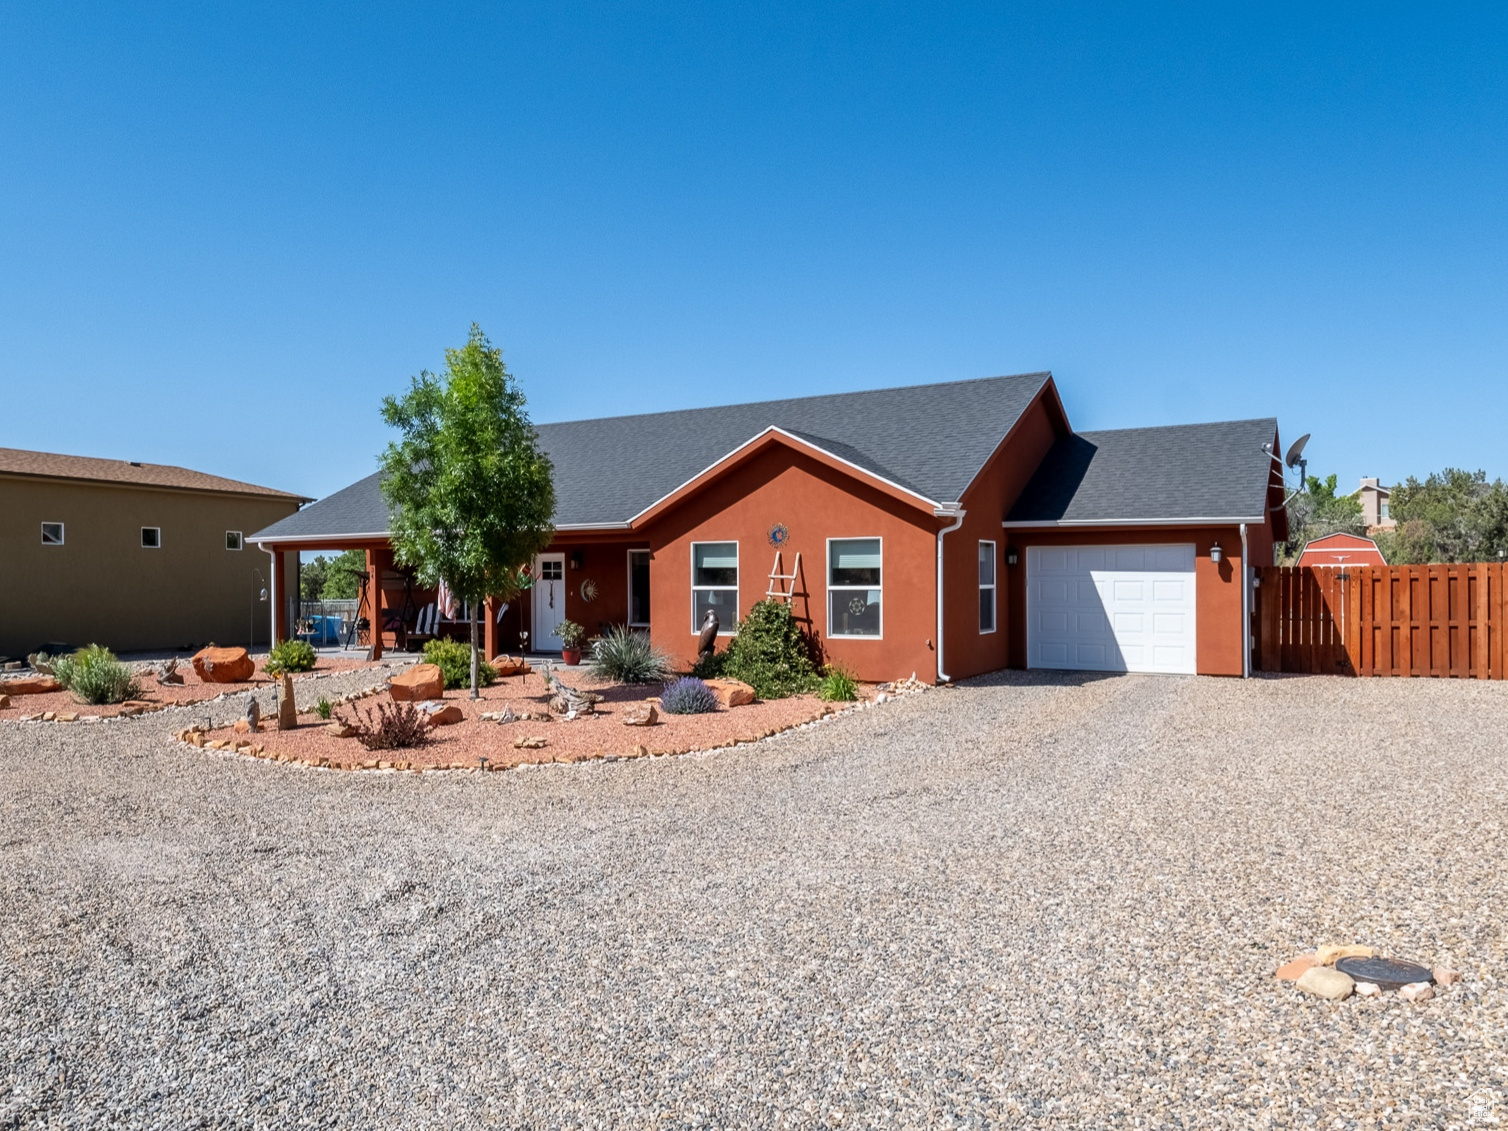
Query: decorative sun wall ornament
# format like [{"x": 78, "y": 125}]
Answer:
[
  {"x": 589, "y": 590},
  {"x": 779, "y": 535}
]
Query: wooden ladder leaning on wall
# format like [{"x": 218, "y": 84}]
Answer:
[{"x": 783, "y": 585}]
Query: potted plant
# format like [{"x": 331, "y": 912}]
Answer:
[{"x": 571, "y": 635}]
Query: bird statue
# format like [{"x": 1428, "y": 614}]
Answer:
[{"x": 706, "y": 642}]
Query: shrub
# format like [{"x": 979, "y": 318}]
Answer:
[
  {"x": 770, "y": 653},
  {"x": 571, "y": 634},
  {"x": 687, "y": 696},
  {"x": 94, "y": 675},
  {"x": 838, "y": 685},
  {"x": 323, "y": 708},
  {"x": 290, "y": 656},
  {"x": 628, "y": 657},
  {"x": 392, "y": 727},
  {"x": 453, "y": 658},
  {"x": 710, "y": 666}
]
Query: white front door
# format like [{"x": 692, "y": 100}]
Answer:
[
  {"x": 1111, "y": 608},
  {"x": 548, "y": 599}
]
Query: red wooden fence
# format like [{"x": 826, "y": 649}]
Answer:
[{"x": 1436, "y": 620}]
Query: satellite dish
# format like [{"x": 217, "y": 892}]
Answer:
[{"x": 1296, "y": 452}]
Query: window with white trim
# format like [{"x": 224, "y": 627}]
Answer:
[
  {"x": 52, "y": 534},
  {"x": 714, "y": 584},
  {"x": 151, "y": 537},
  {"x": 233, "y": 540},
  {"x": 986, "y": 587},
  {"x": 853, "y": 586}
]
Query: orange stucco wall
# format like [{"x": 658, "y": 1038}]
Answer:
[
  {"x": 605, "y": 564},
  {"x": 815, "y": 502},
  {"x": 968, "y": 651},
  {"x": 1217, "y": 586}
]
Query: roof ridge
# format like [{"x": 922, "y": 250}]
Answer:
[{"x": 1041, "y": 373}]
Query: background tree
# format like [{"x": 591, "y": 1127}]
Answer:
[
  {"x": 331, "y": 579},
  {"x": 471, "y": 493},
  {"x": 1320, "y": 511},
  {"x": 1453, "y": 516}
]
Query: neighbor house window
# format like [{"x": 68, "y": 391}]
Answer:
[
  {"x": 638, "y": 588},
  {"x": 986, "y": 587},
  {"x": 1384, "y": 510},
  {"x": 714, "y": 584},
  {"x": 52, "y": 534},
  {"x": 232, "y": 539},
  {"x": 151, "y": 537},
  {"x": 853, "y": 587}
]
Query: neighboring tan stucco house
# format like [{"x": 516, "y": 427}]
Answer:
[
  {"x": 1373, "y": 497},
  {"x": 134, "y": 556},
  {"x": 945, "y": 530}
]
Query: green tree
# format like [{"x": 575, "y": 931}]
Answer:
[
  {"x": 1320, "y": 511},
  {"x": 1453, "y": 516},
  {"x": 331, "y": 579},
  {"x": 472, "y": 495}
]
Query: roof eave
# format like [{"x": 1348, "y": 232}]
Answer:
[{"x": 1051, "y": 524}]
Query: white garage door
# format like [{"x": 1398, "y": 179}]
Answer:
[{"x": 1110, "y": 608}]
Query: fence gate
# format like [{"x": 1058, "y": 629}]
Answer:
[{"x": 1436, "y": 620}]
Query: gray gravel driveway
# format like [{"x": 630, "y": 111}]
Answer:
[{"x": 1029, "y": 901}]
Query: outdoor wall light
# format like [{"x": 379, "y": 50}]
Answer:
[
  {"x": 1216, "y": 553},
  {"x": 1011, "y": 558}
]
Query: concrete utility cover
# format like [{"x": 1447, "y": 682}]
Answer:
[{"x": 1388, "y": 973}]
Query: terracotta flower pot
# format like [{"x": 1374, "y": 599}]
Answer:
[{"x": 572, "y": 656}]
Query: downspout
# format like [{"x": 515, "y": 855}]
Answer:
[
  {"x": 272, "y": 631},
  {"x": 956, "y": 513},
  {"x": 1245, "y": 608}
]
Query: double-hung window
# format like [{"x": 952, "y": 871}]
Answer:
[
  {"x": 853, "y": 586},
  {"x": 714, "y": 584},
  {"x": 986, "y": 587}
]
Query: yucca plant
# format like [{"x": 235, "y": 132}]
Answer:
[{"x": 627, "y": 656}]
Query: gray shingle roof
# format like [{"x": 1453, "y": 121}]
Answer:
[
  {"x": 930, "y": 439},
  {"x": 1185, "y": 471}
]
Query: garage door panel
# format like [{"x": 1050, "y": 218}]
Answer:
[{"x": 1111, "y": 608}]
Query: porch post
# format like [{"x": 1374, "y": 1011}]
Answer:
[
  {"x": 489, "y": 628},
  {"x": 374, "y": 598}
]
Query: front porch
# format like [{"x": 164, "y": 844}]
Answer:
[{"x": 595, "y": 582}]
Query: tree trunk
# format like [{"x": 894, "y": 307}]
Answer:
[{"x": 472, "y": 608}]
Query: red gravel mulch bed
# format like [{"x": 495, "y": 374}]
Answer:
[
  {"x": 157, "y": 695},
  {"x": 465, "y": 744}
]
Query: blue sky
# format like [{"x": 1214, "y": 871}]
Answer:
[{"x": 225, "y": 234}]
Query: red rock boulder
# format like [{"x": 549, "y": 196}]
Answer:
[
  {"x": 31, "y": 685},
  {"x": 511, "y": 665},
  {"x": 420, "y": 682},
  {"x": 223, "y": 665},
  {"x": 731, "y": 692},
  {"x": 445, "y": 716}
]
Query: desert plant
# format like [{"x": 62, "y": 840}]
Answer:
[
  {"x": 94, "y": 675},
  {"x": 571, "y": 634},
  {"x": 687, "y": 696},
  {"x": 838, "y": 685},
  {"x": 770, "y": 653},
  {"x": 454, "y": 660},
  {"x": 323, "y": 708},
  {"x": 628, "y": 657},
  {"x": 392, "y": 726},
  {"x": 290, "y": 656}
]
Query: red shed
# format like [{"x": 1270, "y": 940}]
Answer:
[{"x": 1341, "y": 550}]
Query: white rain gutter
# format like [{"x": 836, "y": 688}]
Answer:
[
  {"x": 1245, "y": 608},
  {"x": 956, "y": 513},
  {"x": 272, "y": 632}
]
